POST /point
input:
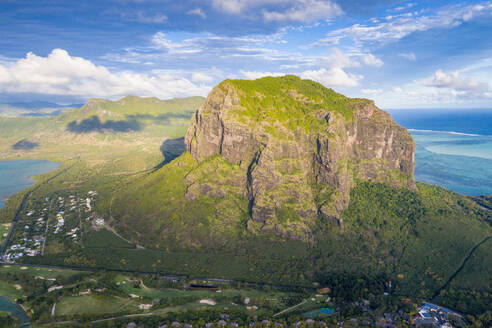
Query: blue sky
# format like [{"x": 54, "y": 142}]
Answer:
[{"x": 403, "y": 54}]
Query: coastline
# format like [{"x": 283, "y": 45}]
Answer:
[{"x": 21, "y": 178}]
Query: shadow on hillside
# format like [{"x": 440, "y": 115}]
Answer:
[
  {"x": 163, "y": 119},
  {"x": 25, "y": 144},
  {"x": 94, "y": 124},
  {"x": 171, "y": 149}
]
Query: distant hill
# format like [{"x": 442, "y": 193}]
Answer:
[
  {"x": 39, "y": 105},
  {"x": 151, "y": 118},
  {"x": 34, "y": 108}
]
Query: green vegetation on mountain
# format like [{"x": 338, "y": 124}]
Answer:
[{"x": 290, "y": 101}]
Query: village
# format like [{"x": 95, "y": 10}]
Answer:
[{"x": 45, "y": 223}]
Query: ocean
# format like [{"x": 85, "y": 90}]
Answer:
[
  {"x": 16, "y": 175},
  {"x": 454, "y": 147}
]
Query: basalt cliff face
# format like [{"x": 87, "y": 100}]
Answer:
[{"x": 297, "y": 148}]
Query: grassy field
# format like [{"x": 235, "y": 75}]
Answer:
[
  {"x": 104, "y": 238},
  {"x": 127, "y": 287},
  {"x": 176, "y": 300},
  {"x": 94, "y": 304},
  {"x": 10, "y": 290},
  {"x": 43, "y": 272}
]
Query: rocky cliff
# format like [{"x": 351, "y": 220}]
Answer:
[{"x": 298, "y": 149}]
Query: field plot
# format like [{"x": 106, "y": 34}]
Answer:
[
  {"x": 104, "y": 238},
  {"x": 12, "y": 290},
  {"x": 47, "y": 273},
  {"x": 94, "y": 304}
]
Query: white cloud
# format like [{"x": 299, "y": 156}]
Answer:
[
  {"x": 201, "y": 78},
  {"x": 160, "y": 41},
  {"x": 197, "y": 12},
  {"x": 157, "y": 18},
  {"x": 332, "y": 77},
  {"x": 209, "y": 44},
  {"x": 142, "y": 17},
  {"x": 300, "y": 11},
  {"x": 256, "y": 75},
  {"x": 372, "y": 92},
  {"x": 229, "y": 6},
  {"x": 455, "y": 81},
  {"x": 394, "y": 28},
  {"x": 405, "y": 7},
  {"x": 61, "y": 74},
  {"x": 443, "y": 88},
  {"x": 333, "y": 73},
  {"x": 303, "y": 11},
  {"x": 409, "y": 56},
  {"x": 371, "y": 60}
]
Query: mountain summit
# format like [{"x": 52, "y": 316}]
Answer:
[{"x": 299, "y": 148}]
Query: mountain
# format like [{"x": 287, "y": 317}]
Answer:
[
  {"x": 299, "y": 147},
  {"x": 34, "y": 108},
  {"x": 34, "y": 105},
  {"x": 278, "y": 156}
]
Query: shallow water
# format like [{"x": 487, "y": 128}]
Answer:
[
  {"x": 6, "y": 305},
  {"x": 16, "y": 175},
  {"x": 454, "y": 147}
]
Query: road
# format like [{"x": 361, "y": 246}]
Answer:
[
  {"x": 288, "y": 309},
  {"x": 46, "y": 230}
]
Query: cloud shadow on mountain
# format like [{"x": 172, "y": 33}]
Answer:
[
  {"x": 94, "y": 124},
  {"x": 163, "y": 119}
]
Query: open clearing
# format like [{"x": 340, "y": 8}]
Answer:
[
  {"x": 42, "y": 272},
  {"x": 94, "y": 304}
]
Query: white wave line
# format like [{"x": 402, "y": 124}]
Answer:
[{"x": 448, "y": 132}]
